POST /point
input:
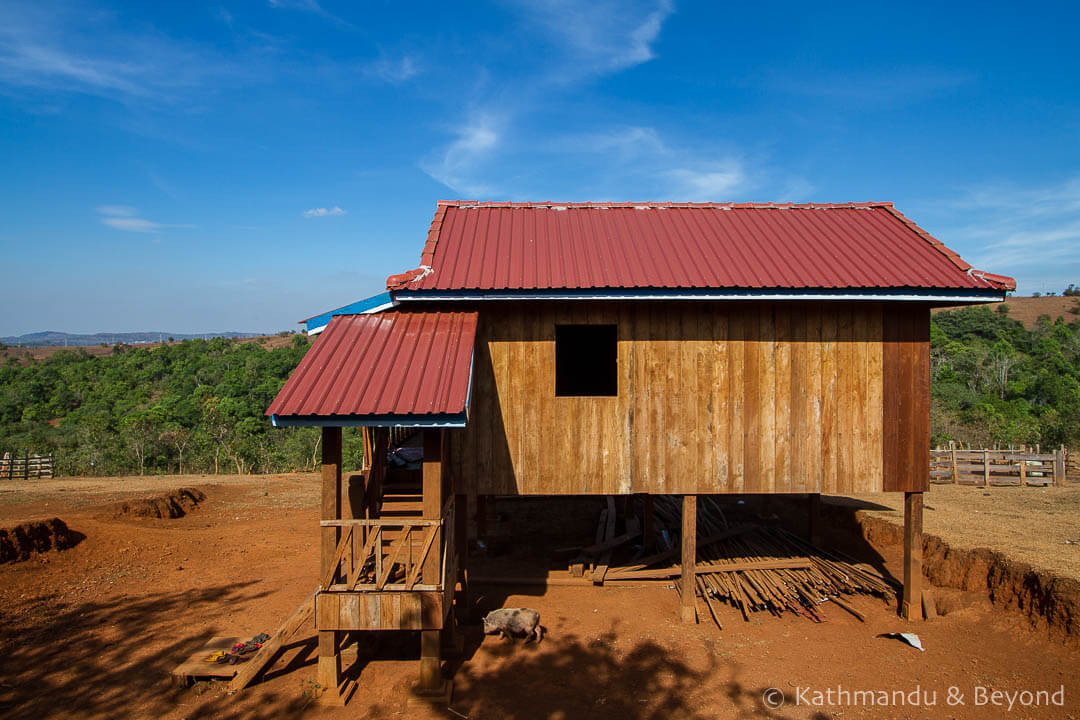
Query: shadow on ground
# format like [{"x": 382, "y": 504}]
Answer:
[
  {"x": 578, "y": 677},
  {"x": 113, "y": 659}
]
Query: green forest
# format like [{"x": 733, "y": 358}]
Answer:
[
  {"x": 993, "y": 383},
  {"x": 197, "y": 406},
  {"x": 194, "y": 407}
]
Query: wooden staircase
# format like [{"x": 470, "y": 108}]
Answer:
[
  {"x": 389, "y": 557},
  {"x": 401, "y": 501}
]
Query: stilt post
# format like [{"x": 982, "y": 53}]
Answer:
[
  {"x": 430, "y": 659},
  {"x": 911, "y": 604},
  {"x": 329, "y": 660},
  {"x": 688, "y": 582},
  {"x": 461, "y": 545}
]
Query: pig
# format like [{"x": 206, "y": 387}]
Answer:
[{"x": 511, "y": 622}]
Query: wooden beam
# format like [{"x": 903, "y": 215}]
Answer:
[
  {"x": 430, "y": 640},
  {"x": 461, "y": 546},
  {"x": 709, "y": 568},
  {"x": 688, "y": 609},
  {"x": 674, "y": 552},
  {"x": 329, "y": 672},
  {"x": 609, "y": 534},
  {"x": 430, "y": 662},
  {"x": 433, "y": 496},
  {"x": 269, "y": 651},
  {"x": 1059, "y": 467},
  {"x": 911, "y": 604}
]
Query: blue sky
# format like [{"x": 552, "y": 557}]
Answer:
[{"x": 239, "y": 166}]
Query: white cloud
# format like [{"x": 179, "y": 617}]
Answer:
[
  {"x": 868, "y": 86},
  {"x": 1031, "y": 233},
  {"x": 54, "y": 48},
  {"x": 308, "y": 5},
  {"x": 627, "y": 141},
  {"x": 311, "y": 6},
  {"x": 125, "y": 217},
  {"x": 323, "y": 212},
  {"x": 393, "y": 70},
  {"x": 132, "y": 224},
  {"x": 123, "y": 210},
  {"x": 711, "y": 183},
  {"x": 598, "y": 36},
  {"x": 462, "y": 160}
]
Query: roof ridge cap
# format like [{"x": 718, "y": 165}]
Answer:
[
  {"x": 479, "y": 204},
  {"x": 952, "y": 255},
  {"x": 427, "y": 255}
]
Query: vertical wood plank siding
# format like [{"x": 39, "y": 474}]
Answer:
[
  {"x": 906, "y": 399},
  {"x": 712, "y": 398}
]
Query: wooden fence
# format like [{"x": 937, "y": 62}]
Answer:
[
  {"x": 997, "y": 467},
  {"x": 16, "y": 467}
]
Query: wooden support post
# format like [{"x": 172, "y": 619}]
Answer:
[
  {"x": 986, "y": 468},
  {"x": 688, "y": 584},
  {"x": 430, "y": 641},
  {"x": 1059, "y": 467},
  {"x": 461, "y": 545},
  {"x": 431, "y": 681},
  {"x": 813, "y": 518},
  {"x": 911, "y": 604},
  {"x": 329, "y": 660},
  {"x": 955, "y": 468}
]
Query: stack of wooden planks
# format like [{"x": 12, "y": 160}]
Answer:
[{"x": 751, "y": 566}]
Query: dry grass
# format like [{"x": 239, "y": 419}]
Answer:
[
  {"x": 1040, "y": 526},
  {"x": 1028, "y": 309}
]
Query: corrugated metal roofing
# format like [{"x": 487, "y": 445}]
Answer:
[
  {"x": 367, "y": 367},
  {"x": 530, "y": 246},
  {"x": 376, "y": 303}
]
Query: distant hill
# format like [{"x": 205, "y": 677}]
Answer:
[
  {"x": 1028, "y": 309},
  {"x": 54, "y": 338}
]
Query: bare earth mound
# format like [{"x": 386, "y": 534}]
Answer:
[
  {"x": 1049, "y": 601},
  {"x": 175, "y": 504},
  {"x": 38, "y": 536}
]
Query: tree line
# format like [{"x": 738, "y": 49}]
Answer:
[
  {"x": 994, "y": 383},
  {"x": 190, "y": 407},
  {"x": 197, "y": 406}
]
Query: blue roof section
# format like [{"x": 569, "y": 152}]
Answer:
[{"x": 367, "y": 306}]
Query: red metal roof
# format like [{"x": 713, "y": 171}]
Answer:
[
  {"x": 390, "y": 364},
  {"x": 534, "y": 246}
]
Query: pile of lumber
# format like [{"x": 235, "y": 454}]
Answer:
[{"x": 752, "y": 566}]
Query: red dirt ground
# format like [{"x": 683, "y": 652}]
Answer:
[{"x": 93, "y": 631}]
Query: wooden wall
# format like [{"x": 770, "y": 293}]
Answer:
[{"x": 767, "y": 397}]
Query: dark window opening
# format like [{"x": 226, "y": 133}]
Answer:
[{"x": 586, "y": 360}]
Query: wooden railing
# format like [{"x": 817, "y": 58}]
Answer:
[
  {"x": 388, "y": 554},
  {"x": 25, "y": 466},
  {"x": 985, "y": 468}
]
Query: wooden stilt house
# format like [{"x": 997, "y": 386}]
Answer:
[{"x": 600, "y": 348}]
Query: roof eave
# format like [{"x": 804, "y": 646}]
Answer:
[
  {"x": 453, "y": 420},
  {"x": 952, "y": 296}
]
